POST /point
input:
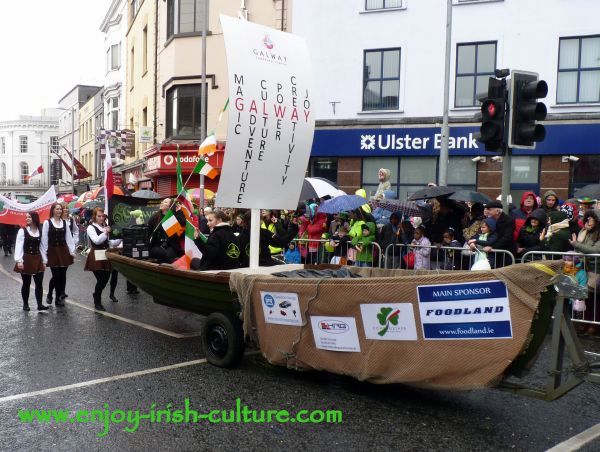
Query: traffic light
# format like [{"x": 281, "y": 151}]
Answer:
[
  {"x": 493, "y": 111},
  {"x": 525, "y": 110}
]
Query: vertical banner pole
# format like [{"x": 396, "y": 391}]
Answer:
[{"x": 254, "y": 238}]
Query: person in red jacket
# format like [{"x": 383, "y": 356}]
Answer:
[
  {"x": 312, "y": 227},
  {"x": 528, "y": 205}
]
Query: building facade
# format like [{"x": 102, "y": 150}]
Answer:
[
  {"x": 24, "y": 145},
  {"x": 91, "y": 120},
  {"x": 379, "y": 72}
]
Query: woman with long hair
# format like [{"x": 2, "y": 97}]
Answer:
[
  {"x": 29, "y": 260},
  {"x": 98, "y": 233},
  {"x": 57, "y": 249},
  {"x": 74, "y": 230}
]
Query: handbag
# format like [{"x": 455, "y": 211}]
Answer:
[
  {"x": 409, "y": 260},
  {"x": 481, "y": 261}
]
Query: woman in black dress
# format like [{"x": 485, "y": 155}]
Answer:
[
  {"x": 57, "y": 249},
  {"x": 29, "y": 260}
]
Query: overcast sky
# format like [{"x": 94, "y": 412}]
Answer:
[{"x": 48, "y": 47}]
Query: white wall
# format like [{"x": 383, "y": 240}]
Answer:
[{"x": 338, "y": 32}]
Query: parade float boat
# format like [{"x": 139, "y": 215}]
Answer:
[{"x": 433, "y": 329}]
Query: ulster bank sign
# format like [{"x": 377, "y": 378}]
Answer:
[{"x": 392, "y": 141}]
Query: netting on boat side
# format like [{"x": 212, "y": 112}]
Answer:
[{"x": 448, "y": 364}]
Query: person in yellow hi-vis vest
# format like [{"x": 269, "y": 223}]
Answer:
[{"x": 271, "y": 222}]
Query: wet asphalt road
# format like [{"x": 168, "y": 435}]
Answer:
[{"x": 73, "y": 345}]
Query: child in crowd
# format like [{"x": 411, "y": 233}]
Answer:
[
  {"x": 292, "y": 254},
  {"x": 450, "y": 260},
  {"x": 420, "y": 248},
  {"x": 574, "y": 267},
  {"x": 340, "y": 241},
  {"x": 530, "y": 233},
  {"x": 364, "y": 245},
  {"x": 487, "y": 237}
]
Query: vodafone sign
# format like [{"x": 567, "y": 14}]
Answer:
[{"x": 166, "y": 162}]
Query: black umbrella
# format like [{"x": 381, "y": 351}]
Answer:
[
  {"x": 318, "y": 187},
  {"x": 431, "y": 192},
  {"x": 589, "y": 191},
  {"x": 404, "y": 208},
  {"x": 470, "y": 196}
]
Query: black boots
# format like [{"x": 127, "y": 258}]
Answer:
[
  {"x": 26, "y": 307},
  {"x": 113, "y": 299},
  {"x": 60, "y": 301},
  {"x": 41, "y": 307},
  {"x": 49, "y": 298},
  {"x": 98, "y": 302}
]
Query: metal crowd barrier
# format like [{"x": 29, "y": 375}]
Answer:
[
  {"x": 319, "y": 252},
  {"x": 442, "y": 257},
  {"x": 591, "y": 264}
]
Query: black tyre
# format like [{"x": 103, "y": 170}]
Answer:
[{"x": 223, "y": 339}]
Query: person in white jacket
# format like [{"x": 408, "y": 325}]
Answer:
[
  {"x": 57, "y": 249},
  {"x": 98, "y": 233},
  {"x": 421, "y": 247},
  {"x": 28, "y": 260}
]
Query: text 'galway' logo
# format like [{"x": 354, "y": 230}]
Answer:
[
  {"x": 267, "y": 42},
  {"x": 385, "y": 317},
  {"x": 367, "y": 142}
]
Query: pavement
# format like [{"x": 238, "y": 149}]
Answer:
[{"x": 148, "y": 356}]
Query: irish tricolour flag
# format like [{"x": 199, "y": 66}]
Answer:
[
  {"x": 204, "y": 168},
  {"x": 209, "y": 145},
  {"x": 170, "y": 224},
  {"x": 191, "y": 250}
]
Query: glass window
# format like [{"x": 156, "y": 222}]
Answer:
[
  {"x": 475, "y": 63},
  {"x": 370, "y": 173},
  {"x": 115, "y": 57},
  {"x": 381, "y": 79},
  {"x": 3, "y": 173},
  {"x": 382, "y": 4},
  {"x": 23, "y": 142},
  {"x": 54, "y": 144},
  {"x": 462, "y": 171},
  {"x": 24, "y": 172},
  {"x": 185, "y": 16},
  {"x": 415, "y": 173},
  {"x": 184, "y": 111},
  {"x": 578, "y": 70},
  {"x": 145, "y": 50},
  {"x": 524, "y": 169},
  {"x": 2, "y": 145},
  {"x": 324, "y": 167}
]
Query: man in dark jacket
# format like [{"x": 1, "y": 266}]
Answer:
[
  {"x": 505, "y": 228},
  {"x": 530, "y": 233}
]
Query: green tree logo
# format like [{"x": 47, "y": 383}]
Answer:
[{"x": 387, "y": 317}]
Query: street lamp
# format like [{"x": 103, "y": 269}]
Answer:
[{"x": 72, "y": 110}]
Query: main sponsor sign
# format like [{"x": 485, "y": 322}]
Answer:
[
  {"x": 271, "y": 121},
  {"x": 281, "y": 307},
  {"x": 389, "y": 322},
  {"x": 478, "y": 310},
  {"x": 338, "y": 334},
  {"x": 13, "y": 212},
  {"x": 127, "y": 211}
]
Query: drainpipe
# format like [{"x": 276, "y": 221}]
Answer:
[
  {"x": 155, "y": 133},
  {"x": 282, "y": 14}
]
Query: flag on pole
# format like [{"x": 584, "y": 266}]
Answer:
[
  {"x": 187, "y": 207},
  {"x": 80, "y": 171},
  {"x": 38, "y": 170},
  {"x": 109, "y": 182},
  {"x": 170, "y": 224},
  {"x": 223, "y": 110},
  {"x": 209, "y": 145},
  {"x": 191, "y": 250},
  {"x": 204, "y": 168}
]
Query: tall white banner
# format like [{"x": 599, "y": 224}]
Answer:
[{"x": 271, "y": 121}]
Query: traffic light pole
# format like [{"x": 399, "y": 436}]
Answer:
[{"x": 506, "y": 161}]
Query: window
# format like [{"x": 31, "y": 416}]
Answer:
[
  {"x": 145, "y": 51},
  {"x": 381, "y": 79},
  {"x": 462, "y": 173},
  {"x": 113, "y": 57},
  {"x": 132, "y": 65},
  {"x": 145, "y": 116},
  {"x": 3, "y": 173},
  {"x": 475, "y": 63},
  {"x": 370, "y": 173},
  {"x": 3, "y": 145},
  {"x": 578, "y": 70},
  {"x": 24, "y": 172},
  {"x": 134, "y": 8},
  {"x": 54, "y": 144},
  {"x": 23, "y": 143},
  {"x": 112, "y": 106},
  {"x": 185, "y": 16},
  {"x": 324, "y": 167},
  {"x": 524, "y": 169},
  {"x": 382, "y": 4},
  {"x": 585, "y": 171},
  {"x": 183, "y": 111}
]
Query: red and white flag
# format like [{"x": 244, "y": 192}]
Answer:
[
  {"x": 38, "y": 170},
  {"x": 109, "y": 182}
]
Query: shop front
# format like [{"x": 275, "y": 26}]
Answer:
[
  {"x": 161, "y": 167},
  {"x": 568, "y": 159}
]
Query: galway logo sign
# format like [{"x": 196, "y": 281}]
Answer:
[
  {"x": 391, "y": 141},
  {"x": 386, "y": 317}
]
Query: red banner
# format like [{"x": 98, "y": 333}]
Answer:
[{"x": 13, "y": 212}]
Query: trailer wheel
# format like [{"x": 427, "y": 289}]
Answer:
[{"x": 223, "y": 339}]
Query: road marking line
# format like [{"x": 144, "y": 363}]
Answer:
[
  {"x": 97, "y": 381},
  {"x": 102, "y": 380},
  {"x": 578, "y": 441},
  {"x": 115, "y": 316}
]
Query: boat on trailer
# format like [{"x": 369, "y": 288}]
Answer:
[{"x": 336, "y": 324}]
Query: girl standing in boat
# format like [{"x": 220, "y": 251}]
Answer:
[
  {"x": 29, "y": 260},
  {"x": 57, "y": 249},
  {"x": 98, "y": 233}
]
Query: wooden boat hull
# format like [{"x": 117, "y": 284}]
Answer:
[{"x": 202, "y": 293}]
